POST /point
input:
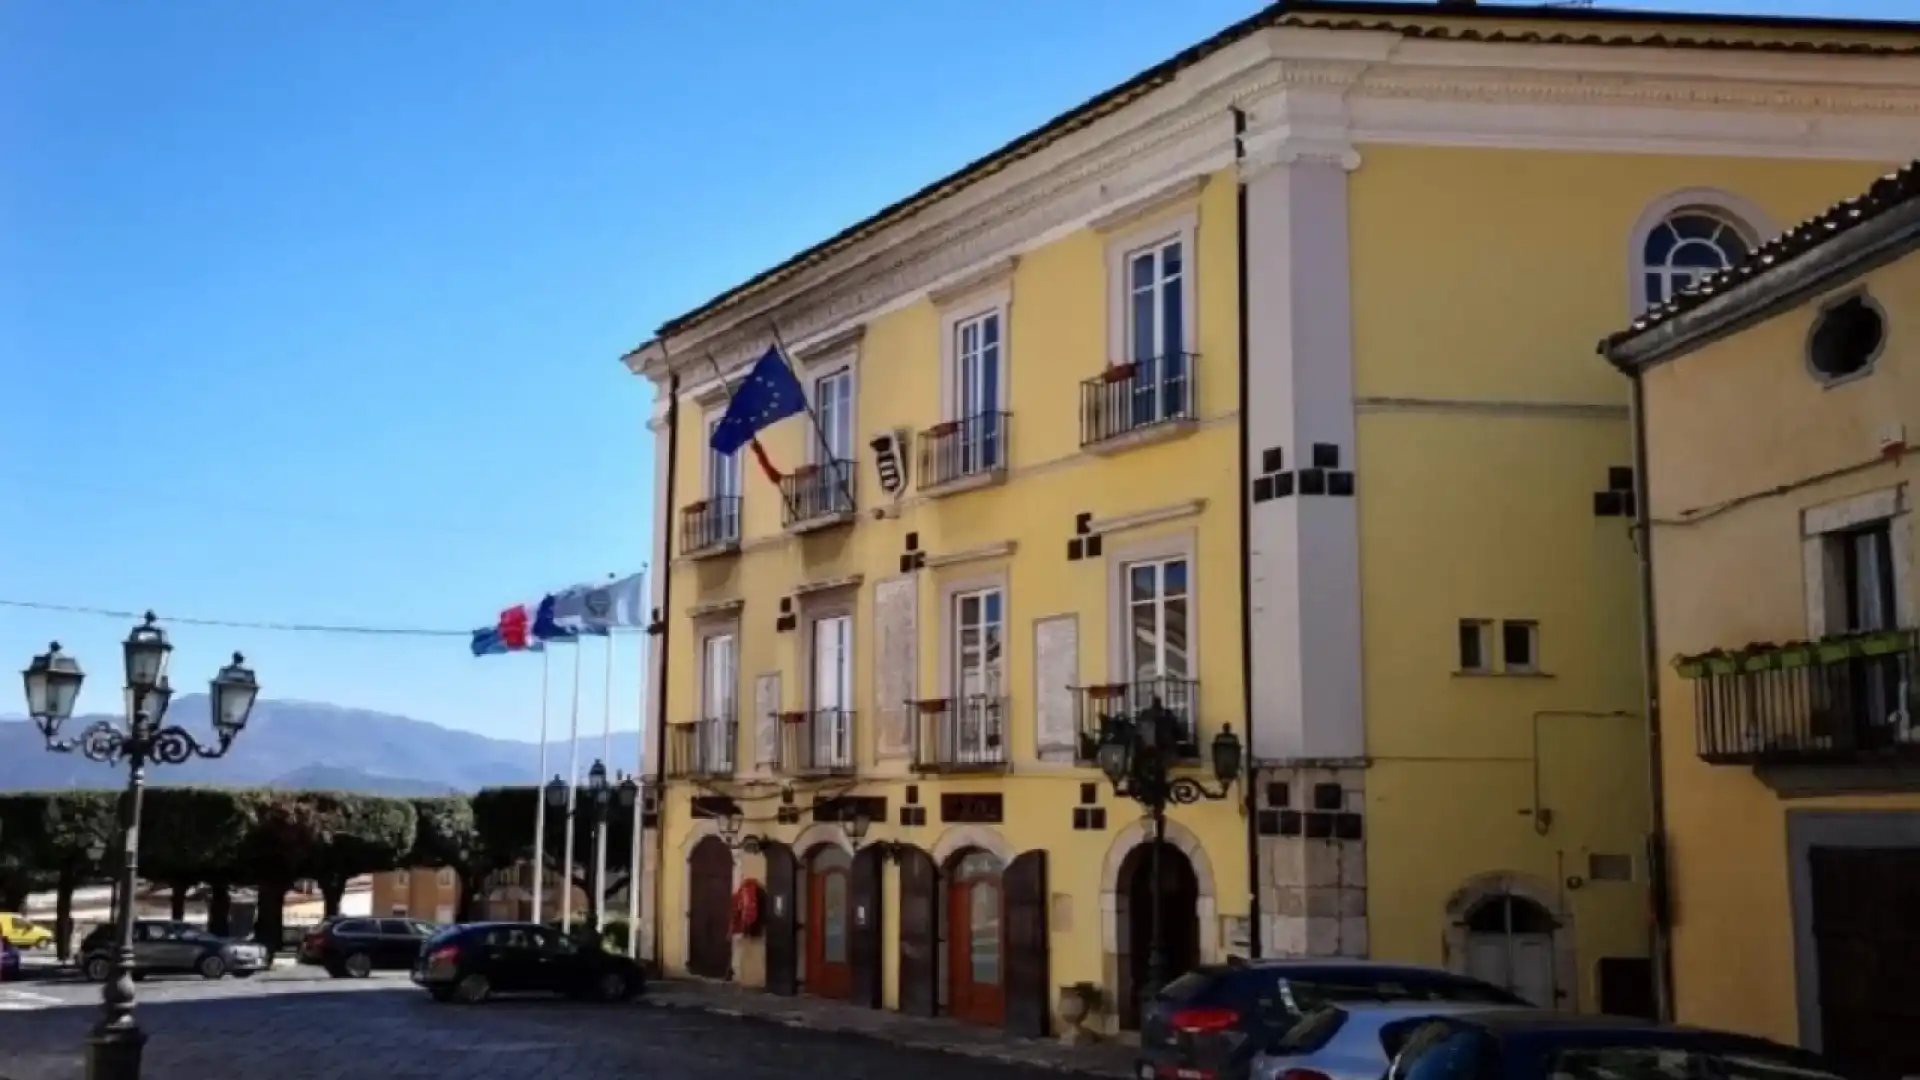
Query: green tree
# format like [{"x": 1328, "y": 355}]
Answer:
[
  {"x": 444, "y": 835},
  {"x": 368, "y": 833},
  {"x": 78, "y": 843},
  {"x": 193, "y": 836}
]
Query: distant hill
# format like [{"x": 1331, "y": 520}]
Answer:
[{"x": 288, "y": 743}]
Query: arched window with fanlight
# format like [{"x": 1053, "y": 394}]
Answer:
[{"x": 1682, "y": 239}]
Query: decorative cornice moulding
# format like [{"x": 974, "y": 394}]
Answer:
[
  {"x": 729, "y": 606},
  {"x": 1002, "y": 550},
  {"x": 996, "y": 272},
  {"x": 1157, "y": 201},
  {"x": 814, "y": 588},
  {"x": 831, "y": 345},
  {"x": 1140, "y": 519}
]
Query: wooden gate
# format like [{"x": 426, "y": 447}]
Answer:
[
  {"x": 1869, "y": 948},
  {"x": 1029, "y": 995},
  {"x": 709, "y": 909},
  {"x": 919, "y": 933},
  {"x": 782, "y": 941},
  {"x": 865, "y": 927}
]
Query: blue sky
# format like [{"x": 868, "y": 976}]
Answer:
[{"x": 310, "y": 312}]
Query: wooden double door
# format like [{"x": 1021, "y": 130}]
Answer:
[
  {"x": 1868, "y": 944},
  {"x": 824, "y": 923},
  {"x": 710, "y": 909},
  {"x": 974, "y": 939}
]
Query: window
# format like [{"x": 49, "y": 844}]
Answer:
[
  {"x": 719, "y": 663},
  {"x": 398, "y": 911},
  {"x": 1157, "y": 621},
  {"x": 1156, "y": 329},
  {"x": 447, "y": 880},
  {"x": 1476, "y": 645},
  {"x": 723, "y": 470},
  {"x": 979, "y": 677},
  {"x": 1686, "y": 247},
  {"x": 833, "y": 405},
  {"x": 832, "y": 643},
  {"x": 1605, "y": 867},
  {"x": 403, "y": 878},
  {"x": 1520, "y": 646},
  {"x": 1866, "y": 574},
  {"x": 976, "y": 391}
]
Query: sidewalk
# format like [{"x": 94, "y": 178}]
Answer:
[{"x": 1103, "y": 1059}]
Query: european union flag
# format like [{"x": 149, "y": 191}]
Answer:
[{"x": 770, "y": 395}]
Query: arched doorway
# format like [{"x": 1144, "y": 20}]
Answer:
[
  {"x": 709, "y": 908},
  {"x": 976, "y": 972},
  {"x": 1179, "y": 920},
  {"x": 1509, "y": 943},
  {"x": 829, "y": 922}
]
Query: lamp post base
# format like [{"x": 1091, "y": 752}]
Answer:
[{"x": 113, "y": 1053}]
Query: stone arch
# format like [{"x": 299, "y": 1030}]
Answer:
[
  {"x": 702, "y": 829},
  {"x": 820, "y": 833},
  {"x": 1114, "y": 934},
  {"x": 959, "y": 838},
  {"x": 1481, "y": 888}
]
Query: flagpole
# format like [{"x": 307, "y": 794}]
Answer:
[
  {"x": 634, "y": 868},
  {"x": 792, "y": 510},
  {"x": 600, "y": 834},
  {"x": 846, "y": 485},
  {"x": 573, "y": 790},
  {"x": 539, "y": 797}
]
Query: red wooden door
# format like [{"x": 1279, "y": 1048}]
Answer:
[
  {"x": 829, "y": 923},
  {"x": 975, "y": 973}
]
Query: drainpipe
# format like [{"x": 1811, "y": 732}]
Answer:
[
  {"x": 1250, "y": 809},
  {"x": 1660, "y": 908},
  {"x": 660, "y": 712}
]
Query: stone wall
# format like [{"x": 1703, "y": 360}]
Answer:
[{"x": 1313, "y": 860}]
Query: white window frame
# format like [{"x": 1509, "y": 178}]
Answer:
[
  {"x": 1489, "y": 660},
  {"x": 1120, "y": 559},
  {"x": 997, "y": 302},
  {"x": 835, "y": 745},
  {"x": 1744, "y": 215},
  {"x": 1823, "y": 569},
  {"x": 1159, "y": 603},
  {"x": 719, "y": 466},
  {"x": 1533, "y": 665},
  {"x": 1182, "y": 228},
  {"x": 714, "y": 734},
  {"x": 817, "y": 448},
  {"x": 967, "y": 739}
]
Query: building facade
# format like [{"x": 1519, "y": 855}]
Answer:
[
  {"x": 1777, "y": 405},
  {"x": 425, "y": 892},
  {"x": 1253, "y": 388}
]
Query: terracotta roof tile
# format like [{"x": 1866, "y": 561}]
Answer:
[{"x": 1887, "y": 193}]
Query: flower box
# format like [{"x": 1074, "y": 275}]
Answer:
[
  {"x": 1883, "y": 642},
  {"x": 931, "y": 706},
  {"x": 1797, "y": 655},
  {"x": 1720, "y": 663},
  {"x": 793, "y": 717},
  {"x": 944, "y": 429},
  {"x": 1834, "y": 650},
  {"x": 1119, "y": 373},
  {"x": 696, "y": 507},
  {"x": 1690, "y": 667},
  {"x": 805, "y": 471}
]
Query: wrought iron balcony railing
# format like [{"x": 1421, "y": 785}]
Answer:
[
  {"x": 958, "y": 450},
  {"x": 710, "y": 525},
  {"x": 966, "y": 734},
  {"x": 702, "y": 748},
  {"x": 817, "y": 743},
  {"x": 818, "y": 494},
  {"x": 1136, "y": 396},
  {"x": 1180, "y": 697},
  {"x": 1837, "y": 700}
]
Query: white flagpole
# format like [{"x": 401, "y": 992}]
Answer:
[
  {"x": 600, "y": 841},
  {"x": 634, "y": 875},
  {"x": 539, "y": 798},
  {"x": 573, "y": 790}
]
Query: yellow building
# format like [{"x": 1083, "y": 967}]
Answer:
[
  {"x": 1775, "y": 405},
  {"x": 422, "y": 892},
  {"x": 1252, "y": 386}
]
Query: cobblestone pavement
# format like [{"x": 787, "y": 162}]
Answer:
[{"x": 292, "y": 1028}]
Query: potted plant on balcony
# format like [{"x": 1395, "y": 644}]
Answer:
[
  {"x": 1759, "y": 656},
  {"x": 793, "y": 716},
  {"x": 944, "y": 429},
  {"x": 1795, "y": 654},
  {"x": 931, "y": 706},
  {"x": 804, "y": 471},
  {"x": 1835, "y": 648},
  {"x": 1884, "y": 642},
  {"x": 697, "y": 506},
  {"x": 1119, "y": 373}
]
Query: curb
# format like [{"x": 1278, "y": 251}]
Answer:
[{"x": 974, "y": 1053}]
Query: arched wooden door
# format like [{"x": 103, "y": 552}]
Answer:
[
  {"x": 919, "y": 972},
  {"x": 829, "y": 922},
  {"x": 976, "y": 969},
  {"x": 709, "y": 909},
  {"x": 1179, "y": 921},
  {"x": 781, "y": 929}
]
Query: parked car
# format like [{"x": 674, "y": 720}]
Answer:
[
  {"x": 1534, "y": 1044},
  {"x": 356, "y": 947},
  {"x": 9, "y": 961},
  {"x": 162, "y": 947},
  {"x": 1211, "y": 1022},
  {"x": 1352, "y": 1041},
  {"x": 473, "y": 962},
  {"x": 23, "y": 933}
]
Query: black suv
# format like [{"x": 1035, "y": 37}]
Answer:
[
  {"x": 1210, "y": 1023},
  {"x": 353, "y": 947},
  {"x": 474, "y": 962}
]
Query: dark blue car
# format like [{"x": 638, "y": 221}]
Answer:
[{"x": 1532, "y": 1044}]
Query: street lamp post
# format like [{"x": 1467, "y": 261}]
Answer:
[
  {"x": 53, "y": 687},
  {"x": 1137, "y": 753},
  {"x": 600, "y": 796},
  {"x": 730, "y": 825}
]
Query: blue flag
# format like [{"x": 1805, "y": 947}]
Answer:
[
  {"x": 545, "y": 628},
  {"x": 770, "y": 395}
]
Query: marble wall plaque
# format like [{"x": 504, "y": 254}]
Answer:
[
  {"x": 766, "y": 718},
  {"x": 896, "y": 624},
  {"x": 1056, "y": 670}
]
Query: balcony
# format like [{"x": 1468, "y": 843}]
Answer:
[
  {"x": 1139, "y": 402},
  {"x": 701, "y": 749},
  {"x": 960, "y": 735},
  {"x": 960, "y": 455},
  {"x": 817, "y": 743},
  {"x": 818, "y": 496},
  {"x": 1181, "y": 697},
  {"x": 1837, "y": 701},
  {"x": 710, "y": 527}
]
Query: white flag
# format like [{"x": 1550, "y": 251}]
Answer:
[{"x": 615, "y": 605}]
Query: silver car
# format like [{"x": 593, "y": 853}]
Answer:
[
  {"x": 1353, "y": 1041},
  {"x": 167, "y": 947}
]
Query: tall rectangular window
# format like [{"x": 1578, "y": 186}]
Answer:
[
  {"x": 832, "y": 642},
  {"x": 720, "y": 675},
  {"x": 979, "y": 656},
  {"x": 1157, "y": 331},
  {"x": 1159, "y": 660},
  {"x": 977, "y": 405},
  {"x": 833, "y": 404}
]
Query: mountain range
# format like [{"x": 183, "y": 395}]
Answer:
[{"x": 312, "y": 745}]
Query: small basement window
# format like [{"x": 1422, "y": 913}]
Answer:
[
  {"x": 1476, "y": 645},
  {"x": 1846, "y": 339},
  {"x": 1520, "y": 645}
]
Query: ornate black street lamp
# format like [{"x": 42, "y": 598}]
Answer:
[
  {"x": 730, "y": 825},
  {"x": 856, "y": 827},
  {"x": 53, "y": 687},
  {"x": 600, "y": 796},
  {"x": 1138, "y": 753}
]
